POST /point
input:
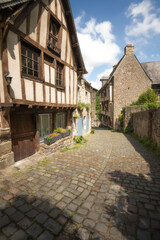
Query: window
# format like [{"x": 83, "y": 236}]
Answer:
[
  {"x": 61, "y": 120},
  {"x": 30, "y": 61},
  {"x": 54, "y": 35},
  {"x": 59, "y": 75},
  {"x": 45, "y": 125}
]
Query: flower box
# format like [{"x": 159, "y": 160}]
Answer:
[
  {"x": 52, "y": 138},
  {"x": 65, "y": 134}
]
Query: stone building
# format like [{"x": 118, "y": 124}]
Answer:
[
  {"x": 124, "y": 85},
  {"x": 153, "y": 71},
  {"x": 40, "y": 53},
  {"x": 94, "y": 119},
  {"x": 82, "y": 122}
]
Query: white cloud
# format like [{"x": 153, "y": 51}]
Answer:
[
  {"x": 98, "y": 84},
  {"x": 97, "y": 43},
  {"x": 145, "y": 20}
]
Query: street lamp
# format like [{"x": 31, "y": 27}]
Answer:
[{"x": 8, "y": 78}]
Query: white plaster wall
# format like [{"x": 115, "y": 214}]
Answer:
[
  {"x": 52, "y": 70},
  {"x": 39, "y": 92},
  {"x": 63, "y": 47},
  {"x": 29, "y": 90},
  {"x": 71, "y": 86},
  {"x": 68, "y": 51},
  {"x": 71, "y": 59},
  {"x": 58, "y": 10},
  {"x": 52, "y": 6},
  {"x": 64, "y": 20},
  {"x": 33, "y": 23},
  {"x": 59, "y": 96},
  {"x": 63, "y": 97},
  {"x": 53, "y": 95},
  {"x": 47, "y": 93},
  {"x": 75, "y": 88},
  {"x": 14, "y": 65},
  {"x": 22, "y": 27},
  {"x": 67, "y": 85},
  {"x": 46, "y": 72},
  {"x": 43, "y": 28},
  {"x": 1, "y": 74}
]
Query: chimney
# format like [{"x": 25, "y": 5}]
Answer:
[{"x": 129, "y": 49}]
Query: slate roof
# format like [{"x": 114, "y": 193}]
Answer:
[
  {"x": 11, "y": 3},
  {"x": 153, "y": 71}
]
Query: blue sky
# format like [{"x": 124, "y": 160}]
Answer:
[{"x": 105, "y": 27}]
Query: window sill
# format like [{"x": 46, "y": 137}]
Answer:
[
  {"x": 32, "y": 78},
  {"x": 60, "y": 87}
]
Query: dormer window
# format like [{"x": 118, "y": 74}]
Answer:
[{"x": 54, "y": 31}]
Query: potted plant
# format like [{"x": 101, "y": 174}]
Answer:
[
  {"x": 88, "y": 106},
  {"x": 81, "y": 105}
]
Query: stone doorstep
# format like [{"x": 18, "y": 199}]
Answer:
[{"x": 39, "y": 156}]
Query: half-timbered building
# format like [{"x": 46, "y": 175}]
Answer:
[{"x": 40, "y": 62}]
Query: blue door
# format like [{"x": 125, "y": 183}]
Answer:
[
  {"x": 80, "y": 126},
  {"x": 87, "y": 123}
]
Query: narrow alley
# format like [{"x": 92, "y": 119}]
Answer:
[{"x": 109, "y": 188}]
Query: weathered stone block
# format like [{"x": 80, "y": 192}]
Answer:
[{"x": 5, "y": 147}]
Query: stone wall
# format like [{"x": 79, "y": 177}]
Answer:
[
  {"x": 147, "y": 124},
  {"x": 128, "y": 116},
  {"x": 62, "y": 143},
  {"x": 6, "y": 154}
]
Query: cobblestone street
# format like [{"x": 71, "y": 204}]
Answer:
[{"x": 109, "y": 188}]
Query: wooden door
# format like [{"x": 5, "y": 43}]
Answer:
[{"x": 23, "y": 130}]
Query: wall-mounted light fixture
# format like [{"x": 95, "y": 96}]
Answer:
[{"x": 8, "y": 78}]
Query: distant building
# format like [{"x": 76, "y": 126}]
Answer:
[
  {"x": 124, "y": 85},
  {"x": 95, "y": 121},
  {"x": 153, "y": 71},
  {"x": 82, "y": 116}
]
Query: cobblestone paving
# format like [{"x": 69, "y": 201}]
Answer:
[{"x": 107, "y": 189}]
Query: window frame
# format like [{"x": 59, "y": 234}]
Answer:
[
  {"x": 34, "y": 52},
  {"x": 54, "y": 39},
  {"x": 60, "y": 74},
  {"x": 50, "y": 124},
  {"x": 63, "y": 116}
]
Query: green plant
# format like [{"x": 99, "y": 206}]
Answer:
[
  {"x": 80, "y": 139},
  {"x": 88, "y": 106},
  {"x": 150, "y": 96},
  {"x": 150, "y": 144},
  {"x": 68, "y": 130},
  {"x": 81, "y": 105},
  {"x": 75, "y": 116},
  {"x": 64, "y": 149},
  {"x": 128, "y": 130},
  {"x": 120, "y": 117},
  {"x": 60, "y": 130},
  {"x": 98, "y": 106},
  {"x": 92, "y": 131},
  {"x": 50, "y": 136}
]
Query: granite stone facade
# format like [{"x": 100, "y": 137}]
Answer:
[{"x": 126, "y": 82}]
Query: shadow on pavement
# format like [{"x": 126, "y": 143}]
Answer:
[{"x": 136, "y": 209}]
